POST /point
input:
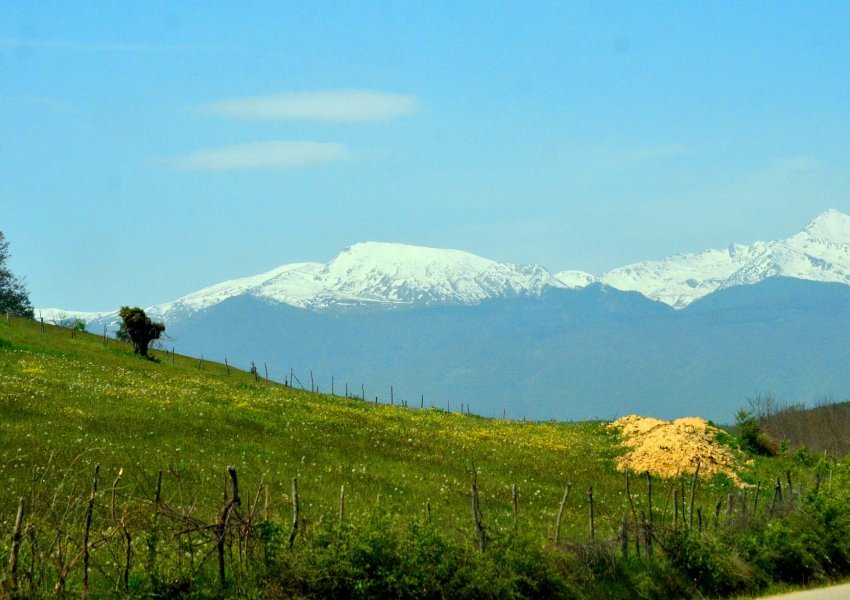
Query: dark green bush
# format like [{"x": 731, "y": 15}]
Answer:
[
  {"x": 715, "y": 569},
  {"x": 752, "y": 438}
]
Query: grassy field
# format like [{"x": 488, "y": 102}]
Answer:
[{"x": 70, "y": 404}]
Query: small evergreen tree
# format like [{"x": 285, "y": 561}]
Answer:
[
  {"x": 139, "y": 328},
  {"x": 13, "y": 293}
]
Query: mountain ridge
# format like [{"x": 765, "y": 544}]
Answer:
[
  {"x": 392, "y": 275},
  {"x": 819, "y": 252}
]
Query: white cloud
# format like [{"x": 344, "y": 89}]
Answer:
[
  {"x": 346, "y": 106},
  {"x": 261, "y": 155}
]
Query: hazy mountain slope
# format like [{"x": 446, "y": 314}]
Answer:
[{"x": 570, "y": 354}]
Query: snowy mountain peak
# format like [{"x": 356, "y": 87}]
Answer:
[
  {"x": 820, "y": 252},
  {"x": 575, "y": 279},
  {"x": 831, "y": 225},
  {"x": 392, "y": 274},
  {"x": 403, "y": 259},
  {"x": 376, "y": 273}
]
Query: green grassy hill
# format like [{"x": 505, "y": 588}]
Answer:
[
  {"x": 86, "y": 404},
  {"x": 69, "y": 404}
]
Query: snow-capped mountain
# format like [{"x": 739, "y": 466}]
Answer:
[
  {"x": 820, "y": 252},
  {"x": 575, "y": 279},
  {"x": 374, "y": 274},
  {"x": 387, "y": 274}
]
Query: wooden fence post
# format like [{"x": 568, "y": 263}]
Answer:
[
  {"x": 693, "y": 494},
  {"x": 561, "y": 512},
  {"x": 675, "y": 510},
  {"x": 649, "y": 528},
  {"x": 223, "y": 520},
  {"x": 634, "y": 513},
  {"x": 476, "y": 513},
  {"x": 790, "y": 485},
  {"x": 295, "y": 510},
  {"x": 226, "y": 366},
  {"x": 312, "y": 385},
  {"x": 777, "y": 494},
  {"x": 756, "y": 499},
  {"x": 16, "y": 544}
]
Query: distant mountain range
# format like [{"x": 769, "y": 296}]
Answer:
[
  {"x": 705, "y": 330},
  {"x": 820, "y": 252},
  {"x": 392, "y": 275}
]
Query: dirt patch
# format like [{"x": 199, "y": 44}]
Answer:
[{"x": 670, "y": 448}]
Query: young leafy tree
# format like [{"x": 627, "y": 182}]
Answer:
[
  {"x": 13, "y": 293},
  {"x": 139, "y": 328}
]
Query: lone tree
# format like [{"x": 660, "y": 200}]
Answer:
[
  {"x": 138, "y": 327},
  {"x": 13, "y": 293}
]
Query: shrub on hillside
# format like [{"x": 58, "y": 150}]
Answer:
[
  {"x": 752, "y": 438},
  {"x": 139, "y": 328}
]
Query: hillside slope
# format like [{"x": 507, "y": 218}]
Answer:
[
  {"x": 384, "y": 491},
  {"x": 85, "y": 404}
]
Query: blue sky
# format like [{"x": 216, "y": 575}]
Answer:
[{"x": 148, "y": 151}]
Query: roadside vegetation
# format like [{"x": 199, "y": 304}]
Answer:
[{"x": 118, "y": 467}]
